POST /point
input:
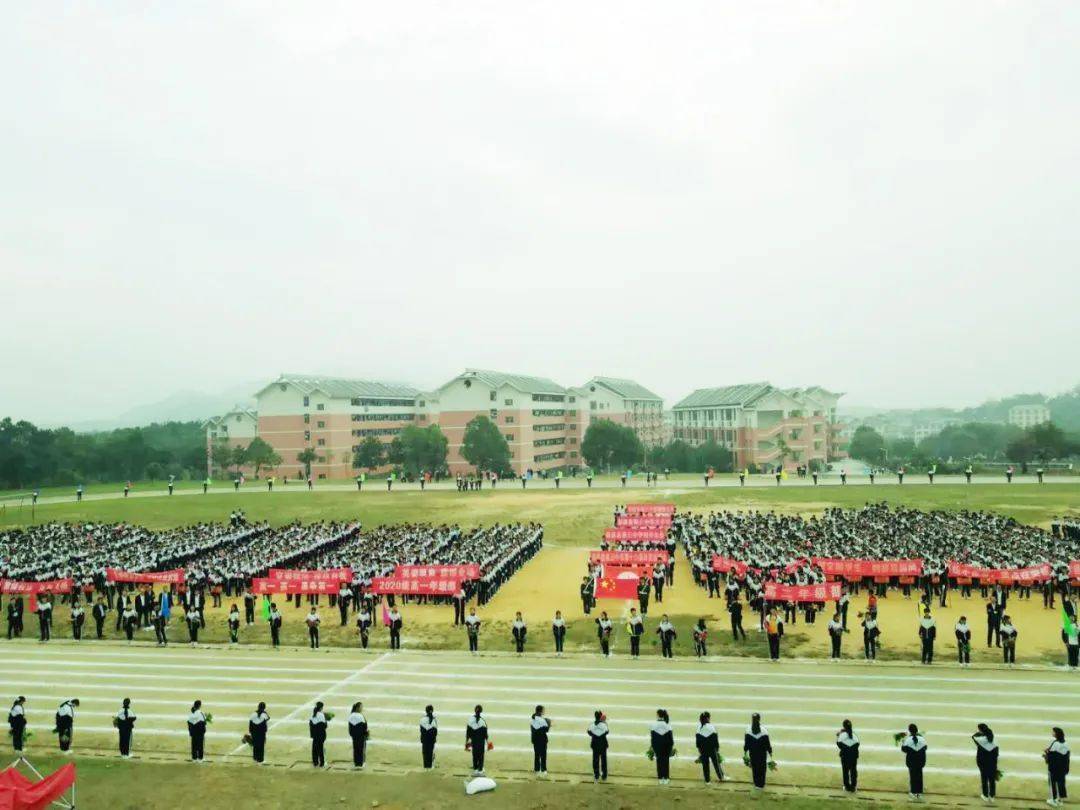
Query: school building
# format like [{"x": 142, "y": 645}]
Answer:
[{"x": 762, "y": 425}]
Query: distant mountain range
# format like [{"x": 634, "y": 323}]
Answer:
[{"x": 183, "y": 406}]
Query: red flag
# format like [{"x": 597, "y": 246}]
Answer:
[{"x": 617, "y": 583}]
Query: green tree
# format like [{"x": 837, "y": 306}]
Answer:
[
  {"x": 710, "y": 454},
  {"x": 609, "y": 445},
  {"x": 220, "y": 454},
  {"x": 260, "y": 454},
  {"x": 368, "y": 455},
  {"x": 239, "y": 457},
  {"x": 485, "y": 447},
  {"x": 867, "y": 445},
  {"x": 306, "y": 457},
  {"x": 422, "y": 449}
]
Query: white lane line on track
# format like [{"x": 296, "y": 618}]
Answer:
[
  {"x": 173, "y": 677},
  {"x": 376, "y": 742},
  {"x": 322, "y": 696}
]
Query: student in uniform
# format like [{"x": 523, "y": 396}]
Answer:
[
  {"x": 472, "y": 631},
  {"x": 358, "y": 732},
  {"x": 701, "y": 636},
  {"x": 539, "y": 727},
  {"x": 65, "y": 723},
  {"x": 586, "y": 595},
  {"x": 275, "y": 626},
  {"x": 194, "y": 622},
  {"x": 735, "y": 609},
  {"x": 757, "y": 749},
  {"x": 871, "y": 631},
  {"x": 15, "y": 617},
  {"x": 666, "y": 631},
  {"x": 78, "y": 617},
  {"x": 558, "y": 631},
  {"x": 476, "y": 739},
  {"x": 1057, "y": 767},
  {"x": 44, "y": 612},
  {"x": 708, "y": 746},
  {"x": 598, "y": 742},
  {"x": 317, "y": 731},
  {"x": 234, "y": 624},
  {"x": 603, "y": 632},
  {"x": 363, "y": 624},
  {"x": 518, "y": 630},
  {"x": 914, "y": 748},
  {"x": 774, "y": 630},
  {"x": 635, "y": 628},
  {"x": 986, "y": 758},
  {"x": 662, "y": 741},
  {"x": 1008, "y": 633},
  {"x": 963, "y": 642},
  {"x": 395, "y": 629},
  {"x": 848, "y": 744},
  {"x": 125, "y": 724},
  {"x": 196, "y": 724},
  {"x": 99, "y": 611},
  {"x": 129, "y": 620},
  {"x": 429, "y": 731},
  {"x": 258, "y": 726},
  {"x": 313, "y": 622},
  {"x": 17, "y": 723},
  {"x": 1071, "y": 636},
  {"x": 927, "y": 634},
  {"x": 836, "y": 634}
]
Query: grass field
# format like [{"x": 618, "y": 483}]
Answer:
[{"x": 802, "y": 704}]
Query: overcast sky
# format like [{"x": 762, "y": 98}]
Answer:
[{"x": 882, "y": 198}]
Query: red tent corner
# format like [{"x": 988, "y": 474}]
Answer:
[{"x": 17, "y": 792}]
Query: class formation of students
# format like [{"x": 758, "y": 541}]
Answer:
[{"x": 757, "y": 748}]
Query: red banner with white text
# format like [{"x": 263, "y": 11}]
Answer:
[
  {"x": 32, "y": 589},
  {"x": 416, "y": 586},
  {"x": 1033, "y": 573},
  {"x": 643, "y": 522},
  {"x": 338, "y": 575},
  {"x": 650, "y": 509},
  {"x": 1074, "y": 569},
  {"x": 173, "y": 577},
  {"x": 635, "y": 536},
  {"x": 631, "y": 559},
  {"x": 823, "y": 592},
  {"x": 869, "y": 568},
  {"x": 463, "y": 571},
  {"x": 725, "y": 564},
  {"x": 265, "y": 585}
]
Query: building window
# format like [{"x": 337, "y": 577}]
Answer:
[
  {"x": 376, "y": 432},
  {"x": 321, "y": 442},
  {"x": 494, "y": 414},
  {"x": 573, "y": 440},
  {"x": 508, "y": 402},
  {"x": 307, "y": 435},
  {"x": 320, "y": 423},
  {"x": 374, "y": 402},
  {"x": 320, "y": 407},
  {"x": 307, "y": 418},
  {"x": 509, "y": 420},
  {"x": 382, "y": 417},
  {"x": 592, "y": 404},
  {"x": 422, "y": 417},
  {"x": 420, "y": 404},
  {"x": 509, "y": 437},
  {"x": 549, "y": 412},
  {"x": 550, "y": 426},
  {"x": 307, "y": 401},
  {"x": 548, "y": 398},
  {"x": 322, "y": 476},
  {"x": 549, "y": 442},
  {"x": 573, "y": 454},
  {"x": 492, "y": 396}
]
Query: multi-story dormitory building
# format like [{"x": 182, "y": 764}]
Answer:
[
  {"x": 543, "y": 422},
  {"x": 763, "y": 425}
]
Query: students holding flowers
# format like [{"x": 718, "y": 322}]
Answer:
[
  {"x": 662, "y": 745},
  {"x": 258, "y": 726},
  {"x": 317, "y": 730},
  {"x": 757, "y": 750},
  {"x": 598, "y": 742},
  {"x": 708, "y": 746},
  {"x": 476, "y": 739},
  {"x": 848, "y": 744},
  {"x": 196, "y": 723},
  {"x": 17, "y": 723},
  {"x": 913, "y": 744},
  {"x": 125, "y": 725},
  {"x": 986, "y": 758}
]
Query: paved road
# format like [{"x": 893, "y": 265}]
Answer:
[{"x": 674, "y": 486}]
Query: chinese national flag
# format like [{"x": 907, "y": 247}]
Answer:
[{"x": 617, "y": 583}]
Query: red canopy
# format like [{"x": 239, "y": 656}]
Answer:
[{"x": 17, "y": 792}]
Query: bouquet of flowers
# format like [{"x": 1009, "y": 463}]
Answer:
[
  {"x": 116, "y": 722},
  {"x": 490, "y": 746},
  {"x": 329, "y": 716},
  {"x": 773, "y": 765},
  {"x": 898, "y": 737},
  {"x": 999, "y": 775},
  {"x": 246, "y": 740},
  {"x": 650, "y": 754},
  {"x": 746, "y": 759},
  {"x": 209, "y": 718}
]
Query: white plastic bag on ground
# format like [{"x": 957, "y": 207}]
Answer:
[{"x": 479, "y": 785}]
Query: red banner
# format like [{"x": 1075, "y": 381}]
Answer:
[
  {"x": 869, "y": 568},
  {"x": 15, "y": 586},
  {"x": 635, "y": 536},
  {"x": 265, "y": 585},
  {"x": 643, "y": 522},
  {"x": 632, "y": 559},
  {"x": 338, "y": 575},
  {"x": 1033, "y": 573},
  {"x": 173, "y": 577},
  {"x": 650, "y": 509},
  {"x": 1074, "y": 569},
  {"x": 464, "y": 571},
  {"x": 427, "y": 586},
  {"x": 724, "y": 564},
  {"x": 825, "y": 592},
  {"x": 618, "y": 583}
]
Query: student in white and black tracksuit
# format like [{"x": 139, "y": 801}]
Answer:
[
  {"x": 758, "y": 749},
  {"x": 258, "y": 726},
  {"x": 927, "y": 634},
  {"x": 196, "y": 724},
  {"x": 708, "y": 746},
  {"x": 558, "y": 631},
  {"x": 836, "y": 634},
  {"x": 636, "y": 628},
  {"x": 598, "y": 742},
  {"x": 125, "y": 724},
  {"x": 986, "y": 758},
  {"x": 667, "y": 634},
  {"x": 476, "y": 736},
  {"x": 17, "y": 723},
  {"x": 603, "y": 632},
  {"x": 848, "y": 743},
  {"x": 519, "y": 630},
  {"x": 539, "y": 726},
  {"x": 317, "y": 731},
  {"x": 914, "y": 748},
  {"x": 363, "y": 624},
  {"x": 662, "y": 740},
  {"x": 429, "y": 731},
  {"x": 963, "y": 641},
  {"x": 358, "y": 731},
  {"x": 65, "y": 723},
  {"x": 1057, "y": 766}
]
